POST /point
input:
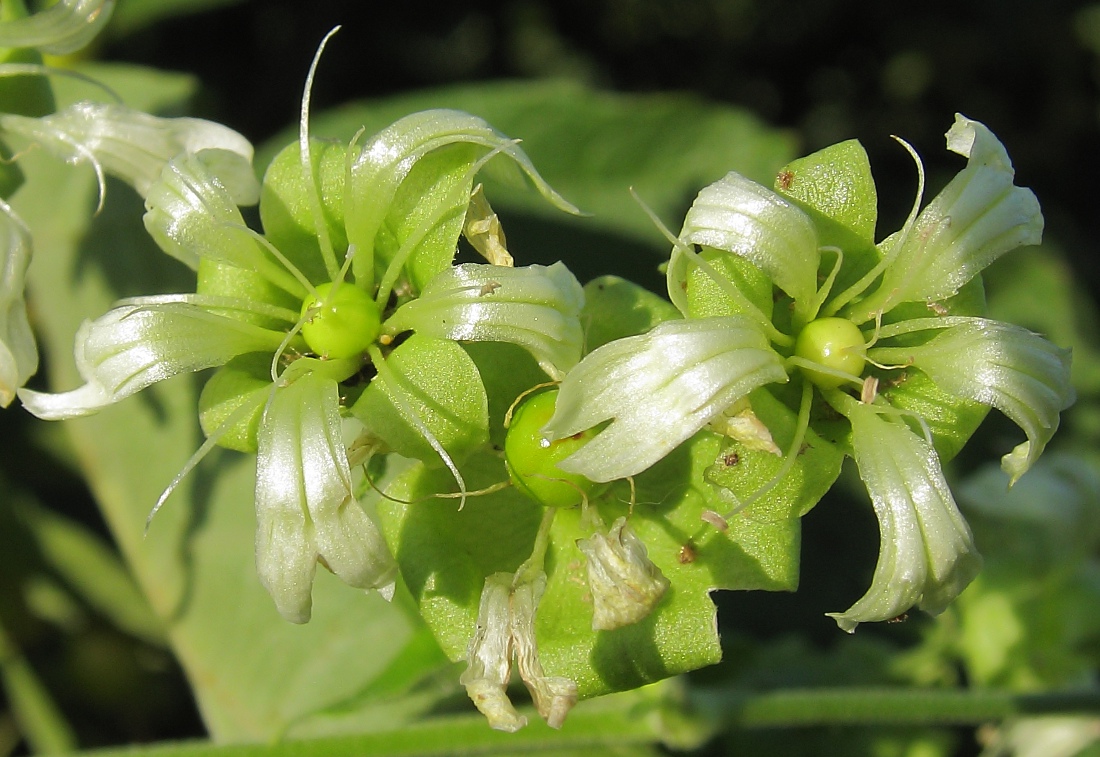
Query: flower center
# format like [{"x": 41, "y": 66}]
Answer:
[
  {"x": 342, "y": 324},
  {"x": 835, "y": 344}
]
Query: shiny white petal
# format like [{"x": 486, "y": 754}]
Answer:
[
  {"x": 979, "y": 216},
  {"x": 658, "y": 389},
  {"x": 388, "y": 157},
  {"x": 536, "y": 307},
  {"x": 135, "y": 146},
  {"x": 742, "y": 217},
  {"x": 926, "y": 552},
  {"x": 191, "y": 215},
  {"x": 138, "y": 344},
  {"x": 305, "y": 509},
  {"x": 18, "y": 353},
  {"x": 1006, "y": 367},
  {"x": 64, "y": 27}
]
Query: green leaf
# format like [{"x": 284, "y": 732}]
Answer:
[
  {"x": 252, "y": 672},
  {"x": 135, "y": 15}
]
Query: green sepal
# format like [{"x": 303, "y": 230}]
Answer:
[
  {"x": 705, "y": 297},
  {"x": 286, "y": 204},
  {"x": 951, "y": 420},
  {"x": 507, "y": 371},
  {"x": 437, "y": 380},
  {"x": 242, "y": 380},
  {"x": 769, "y": 530},
  {"x": 836, "y": 182},
  {"x": 223, "y": 280},
  {"x": 615, "y": 308}
]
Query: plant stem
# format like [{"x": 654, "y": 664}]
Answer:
[{"x": 882, "y": 706}]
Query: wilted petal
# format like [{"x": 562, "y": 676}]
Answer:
[
  {"x": 536, "y": 307},
  {"x": 489, "y": 656},
  {"x": 1003, "y": 366},
  {"x": 138, "y": 344},
  {"x": 135, "y": 146},
  {"x": 742, "y": 217},
  {"x": 979, "y": 216},
  {"x": 554, "y": 696},
  {"x": 658, "y": 389},
  {"x": 926, "y": 552},
  {"x": 389, "y": 156},
  {"x": 305, "y": 509},
  {"x": 18, "y": 353},
  {"x": 624, "y": 583},
  {"x": 62, "y": 28}
]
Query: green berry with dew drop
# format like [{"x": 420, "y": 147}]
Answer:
[{"x": 532, "y": 458}]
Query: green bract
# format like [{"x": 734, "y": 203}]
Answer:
[{"x": 895, "y": 363}]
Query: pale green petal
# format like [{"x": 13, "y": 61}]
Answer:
[
  {"x": 740, "y": 216},
  {"x": 138, "y": 344},
  {"x": 388, "y": 157},
  {"x": 1003, "y": 366},
  {"x": 979, "y": 216},
  {"x": 191, "y": 216},
  {"x": 536, "y": 307},
  {"x": 658, "y": 389},
  {"x": 926, "y": 552},
  {"x": 135, "y": 146},
  {"x": 18, "y": 353},
  {"x": 305, "y": 510},
  {"x": 62, "y": 28}
]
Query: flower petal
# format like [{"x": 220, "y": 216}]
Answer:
[
  {"x": 18, "y": 352},
  {"x": 979, "y": 216},
  {"x": 658, "y": 388},
  {"x": 389, "y": 156},
  {"x": 138, "y": 344},
  {"x": 305, "y": 509},
  {"x": 1003, "y": 366},
  {"x": 135, "y": 146},
  {"x": 62, "y": 28},
  {"x": 624, "y": 583},
  {"x": 926, "y": 552},
  {"x": 536, "y": 307},
  {"x": 740, "y": 216},
  {"x": 489, "y": 656}
]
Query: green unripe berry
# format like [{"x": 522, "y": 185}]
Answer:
[
  {"x": 834, "y": 343},
  {"x": 532, "y": 459},
  {"x": 343, "y": 325}
]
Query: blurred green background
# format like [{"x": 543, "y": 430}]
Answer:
[{"x": 819, "y": 71}]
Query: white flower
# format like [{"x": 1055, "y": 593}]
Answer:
[
  {"x": 63, "y": 28},
  {"x": 658, "y": 389},
  {"x": 624, "y": 582},
  {"x": 926, "y": 552},
  {"x": 18, "y": 353}
]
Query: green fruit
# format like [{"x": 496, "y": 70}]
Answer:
[
  {"x": 833, "y": 343},
  {"x": 341, "y": 325},
  {"x": 532, "y": 459}
]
